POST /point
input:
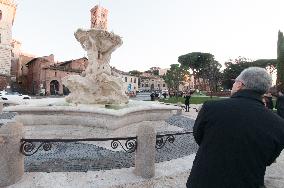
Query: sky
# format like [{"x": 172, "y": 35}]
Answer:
[{"x": 154, "y": 32}]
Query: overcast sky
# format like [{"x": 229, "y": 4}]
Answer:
[{"x": 155, "y": 32}]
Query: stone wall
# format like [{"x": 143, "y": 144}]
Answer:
[
  {"x": 5, "y": 60},
  {"x": 4, "y": 80}
]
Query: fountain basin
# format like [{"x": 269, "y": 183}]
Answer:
[{"x": 59, "y": 112}]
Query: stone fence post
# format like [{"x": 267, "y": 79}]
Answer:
[
  {"x": 146, "y": 152},
  {"x": 11, "y": 160}
]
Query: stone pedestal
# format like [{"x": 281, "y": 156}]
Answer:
[
  {"x": 11, "y": 160},
  {"x": 146, "y": 152}
]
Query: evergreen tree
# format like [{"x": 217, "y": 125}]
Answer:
[
  {"x": 198, "y": 62},
  {"x": 280, "y": 62}
]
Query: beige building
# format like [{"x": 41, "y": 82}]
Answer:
[
  {"x": 152, "y": 83},
  {"x": 130, "y": 82},
  {"x": 163, "y": 71}
]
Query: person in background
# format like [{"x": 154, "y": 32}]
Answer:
[
  {"x": 165, "y": 95},
  {"x": 237, "y": 137},
  {"x": 157, "y": 96},
  {"x": 268, "y": 101},
  {"x": 152, "y": 96},
  {"x": 186, "y": 102},
  {"x": 280, "y": 104}
]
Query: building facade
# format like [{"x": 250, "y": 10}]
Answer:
[
  {"x": 130, "y": 82},
  {"x": 152, "y": 83},
  {"x": 7, "y": 15},
  {"x": 44, "y": 76}
]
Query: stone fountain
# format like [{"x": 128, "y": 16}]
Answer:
[
  {"x": 97, "y": 97},
  {"x": 96, "y": 85}
]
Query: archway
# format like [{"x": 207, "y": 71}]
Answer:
[{"x": 54, "y": 87}]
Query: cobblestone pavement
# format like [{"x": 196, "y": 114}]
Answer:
[{"x": 88, "y": 157}]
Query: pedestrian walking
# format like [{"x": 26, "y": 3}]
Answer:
[{"x": 186, "y": 102}]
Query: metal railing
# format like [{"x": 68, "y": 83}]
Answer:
[
  {"x": 162, "y": 139},
  {"x": 29, "y": 147}
]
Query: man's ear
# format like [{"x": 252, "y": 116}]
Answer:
[{"x": 239, "y": 85}]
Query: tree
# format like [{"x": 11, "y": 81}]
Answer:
[
  {"x": 235, "y": 67},
  {"x": 175, "y": 76},
  {"x": 269, "y": 64},
  {"x": 196, "y": 61},
  {"x": 135, "y": 73},
  {"x": 155, "y": 72},
  {"x": 280, "y": 62},
  {"x": 212, "y": 74}
]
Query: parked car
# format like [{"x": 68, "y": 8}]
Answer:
[{"x": 13, "y": 96}]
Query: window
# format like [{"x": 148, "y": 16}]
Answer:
[
  {"x": 134, "y": 80},
  {"x": 146, "y": 85},
  {"x": 55, "y": 74},
  {"x": 142, "y": 85},
  {"x": 0, "y": 14},
  {"x": 125, "y": 79},
  {"x": 131, "y": 80},
  {"x": 164, "y": 85}
]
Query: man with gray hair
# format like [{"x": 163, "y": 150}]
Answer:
[{"x": 237, "y": 137}]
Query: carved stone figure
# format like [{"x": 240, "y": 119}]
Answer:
[{"x": 96, "y": 85}]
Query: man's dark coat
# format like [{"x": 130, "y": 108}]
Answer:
[{"x": 237, "y": 138}]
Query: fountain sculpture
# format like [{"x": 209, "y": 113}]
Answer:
[{"x": 96, "y": 85}]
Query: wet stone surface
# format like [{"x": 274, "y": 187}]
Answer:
[{"x": 88, "y": 157}]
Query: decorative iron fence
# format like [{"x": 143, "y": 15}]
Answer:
[
  {"x": 162, "y": 139},
  {"x": 31, "y": 146}
]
